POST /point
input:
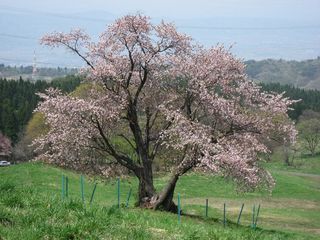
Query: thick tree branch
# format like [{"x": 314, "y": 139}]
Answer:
[{"x": 123, "y": 160}]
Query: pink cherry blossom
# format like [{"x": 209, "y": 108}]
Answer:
[{"x": 5, "y": 145}]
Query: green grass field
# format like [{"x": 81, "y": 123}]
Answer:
[{"x": 31, "y": 207}]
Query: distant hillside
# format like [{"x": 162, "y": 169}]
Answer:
[
  {"x": 26, "y": 72},
  {"x": 302, "y": 74}
]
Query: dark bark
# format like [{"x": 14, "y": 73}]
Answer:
[
  {"x": 146, "y": 188},
  {"x": 164, "y": 200},
  {"x": 147, "y": 195},
  {"x": 148, "y": 198}
]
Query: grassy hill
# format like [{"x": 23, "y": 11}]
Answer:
[{"x": 31, "y": 207}]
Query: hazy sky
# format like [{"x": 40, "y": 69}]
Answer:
[
  {"x": 288, "y": 29},
  {"x": 288, "y": 9}
]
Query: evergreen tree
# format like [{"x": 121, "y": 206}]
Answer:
[{"x": 18, "y": 100}]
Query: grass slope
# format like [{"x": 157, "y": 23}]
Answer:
[{"x": 31, "y": 207}]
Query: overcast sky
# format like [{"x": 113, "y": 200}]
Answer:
[
  {"x": 288, "y": 9},
  {"x": 288, "y": 29}
]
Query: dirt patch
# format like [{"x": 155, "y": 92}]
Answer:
[
  {"x": 310, "y": 175},
  {"x": 265, "y": 202},
  {"x": 279, "y": 213},
  {"x": 157, "y": 230}
]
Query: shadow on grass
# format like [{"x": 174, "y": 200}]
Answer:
[{"x": 233, "y": 225}]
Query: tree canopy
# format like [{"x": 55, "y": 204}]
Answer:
[{"x": 159, "y": 91}]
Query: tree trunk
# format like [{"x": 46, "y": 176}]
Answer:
[
  {"x": 312, "y": 152},
  {"x": 148, "y": 198},
  {"x": 146, "y": 188},
  {"x": 286, "y": 151},
  {"x": 165, "y": 198}
]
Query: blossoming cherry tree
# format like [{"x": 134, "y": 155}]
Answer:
[{"x": 160, "y": 93}]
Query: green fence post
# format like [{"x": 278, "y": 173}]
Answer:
[
  {"x": 67, "y": 186},
  {"x": 258, "y": 211},
  {"x": 82, "y": 187},
  {"x": 207, "y": 207},
  {"x": 92, "y": 195},
  {"x": 128, "y": 198},
  {"x": 118, "y": 192},
  {"x": 224, "y": 215},
  {"x": 253, "y": 214},
  {"x": 238, "y": 222},
  {"x": 63, "y": 187},
  {"x": 179, "y": 209}
]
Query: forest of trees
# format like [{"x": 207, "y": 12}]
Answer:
[
  {"x": 18, "y": 100},
  {"x": 310, "y": 99}
]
